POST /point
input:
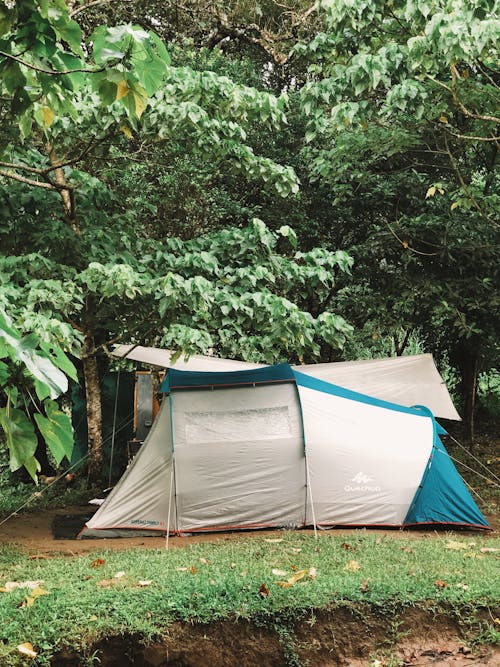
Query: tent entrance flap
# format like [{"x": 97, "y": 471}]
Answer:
[{"x": 239, "y": 457}]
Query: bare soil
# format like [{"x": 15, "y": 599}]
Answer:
[
  {"x": 341, "y": 637},
  {"x": 33, "y": 532}
]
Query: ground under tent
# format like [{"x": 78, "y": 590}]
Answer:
[{"x": 273, "y": 447}]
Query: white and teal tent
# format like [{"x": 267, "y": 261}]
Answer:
[{"x": 273, "y": 447}]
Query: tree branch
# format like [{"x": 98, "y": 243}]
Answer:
[
  {"x": 463, "y": 184},
  {"x": 52, "y": 72},
  {"x": 30, "y": 181}
]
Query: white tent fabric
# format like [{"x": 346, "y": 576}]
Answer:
[
  {"x": 239, "y": 458},
  {"x": 410, "y": 380},
  {"x": 143, "y": 499},
  {"x": 364, "y": 461}
]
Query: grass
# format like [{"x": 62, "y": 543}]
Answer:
[{"x": 234, "y": 579}]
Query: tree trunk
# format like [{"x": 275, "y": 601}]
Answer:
[
  {"x": 94, "y": 414},
  {"x": 468, "y": 364}
]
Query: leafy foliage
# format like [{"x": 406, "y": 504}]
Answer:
[{"x": 32, "y": 364}]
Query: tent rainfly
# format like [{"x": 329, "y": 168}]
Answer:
[
  {"x": 273, "y": 447},
  {"x": 408, "y": 380}
]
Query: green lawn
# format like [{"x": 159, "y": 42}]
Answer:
[{"x": 96, "y": 595}]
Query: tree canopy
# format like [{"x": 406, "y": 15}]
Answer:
[{"x": 257, "y": 180}]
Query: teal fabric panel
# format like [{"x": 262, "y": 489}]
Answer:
[
  {"x": 175, "y": 379},
  {"x": 443, "y": 497}
]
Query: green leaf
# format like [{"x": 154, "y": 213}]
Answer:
[
  {"x": 42, "y": 390},
  {"x": 60, "y": 359},
  {"x": 23, "y": 350},
  {"x": 7, "y": 17},
  {"x": 4, "y": 373},
  {"x": 21, "y": 438},
  {"x": 56, "y": 430},
  {"x": 71, "y": 33}
]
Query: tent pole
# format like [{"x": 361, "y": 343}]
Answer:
[
  {"x": 311, "y": 501},
  {"x": 169, "y": 507}
]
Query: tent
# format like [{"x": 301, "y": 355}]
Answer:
[
  {"x": 408, "y": 380},
  {"x": 269, "y": 447}
]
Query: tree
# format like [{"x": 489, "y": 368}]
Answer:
[
  {"x": 403, "y": 139},
  {"x": 85, "y": 272}
]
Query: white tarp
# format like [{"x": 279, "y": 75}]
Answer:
[{"x": 410, "y": 380}]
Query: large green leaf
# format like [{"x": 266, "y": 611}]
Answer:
[
  {"x": 21, "y": 439},
  {"x": 56, "y": 430},
  {"x": 23, "y": 350},
  {"x": 60, "y": 359}
]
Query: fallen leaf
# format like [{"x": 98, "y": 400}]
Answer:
[
  {"x": 232, "y": 566},
  {"x": 464, "y": 587},
  {"x": 264, "y": 591},
  {"x": 38, "y": 557},
  {"x": 298, "y": 576},
  {"x": 313, "y": 572},
  {"x": 488, "y": 550},
  {"x": 296, "y": 550},
  {"x": 365, "y": 586},
  {"x": 347, "y": 546},
  {"x": 496, "y": 620},
  {"x": 212, "y": 582},
  {"x": 181, "y": 569},
  {"x": 430, "y": 192},
  {"x": 205, "y": 561},
  {"x": 407, "y": 550},
  {"x": 278, "y": 573},
  {"x": 473, "y": 555},
  {"x": 293, "y": 579},
  {"x": 193, "y": 570},
  {"x": 98, "y": 562},
  {"x": 144, "y": 582},
  {"x": 456, "y": 545},
  {"x": 12, "y": 585},
  {"x": 440, "y": 583},
  {"x": 119, "y": 575},
  {"x": 273, "y": 540},
  {"x": 107, "y": 583},
  {"x": 93, "y": 618},
  {"x": 27, "y": 649},
  {"x": 37, "y": 592},
  {"x": 443, "y": 119},
  {"x": 352, "y": 566}
]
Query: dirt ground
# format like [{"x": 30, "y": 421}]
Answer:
[
  {"x": 33, "y": 532},
  {"x": 343, "y": 637}
]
